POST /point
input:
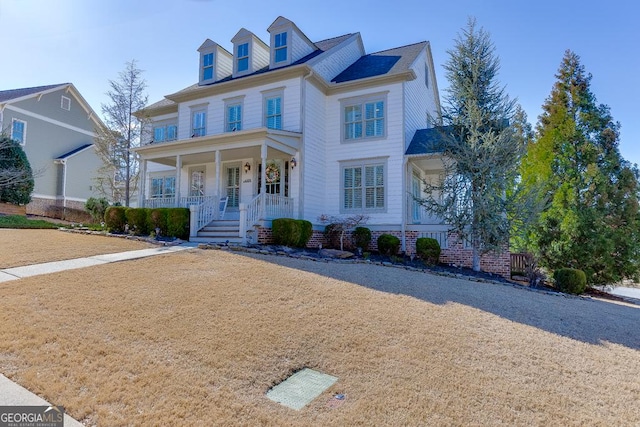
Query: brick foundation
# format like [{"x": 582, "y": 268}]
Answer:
[
  {"x": 74, "y": 211},
  {"x": 456, "y": 253}
]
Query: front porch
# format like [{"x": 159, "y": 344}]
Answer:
[{"x": 231, "y": 182}]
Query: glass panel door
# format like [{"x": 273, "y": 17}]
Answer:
[
  {"x": 196, "y": 182},
  {"x": 232, "y": 184},
  {"x": 415, "y": 191}
]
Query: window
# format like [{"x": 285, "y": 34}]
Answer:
[
  {"x": 364, "y": 120},
  {"x": 165, "y": 133},
  {"x": 363, "y": 187},
  {"x": 234, "y": 118},
  {"x": 243, "y": 57},
  {"x": 196, "y": 186},
  {"x": 273, "y": 112},
  {"x": 163, "y": 187},
  {"x": 19, "y": 131},
  {"x": 281, "y": 47},
  {"x": 207, "y": 66},
  {"x": 199, "y": 123},
  {"x": 65, "y": 103}
]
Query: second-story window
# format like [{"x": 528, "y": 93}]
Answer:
[
  {"x": 281, "y": 47},
  {"x": 207, "y": 66},
  {"x": 243, "y": 57},
  {"x": 364, "y": 120},
  {"x": 273, "y": 112},
  {"x": 19, "y": 131},
  {"x": 165, "y": 133},
  {"x": 172, "y": 132},
  {"x": 199, "y": 123},
  {"x": 158, "y": 134},
  {"x": 234, "y": 117}
]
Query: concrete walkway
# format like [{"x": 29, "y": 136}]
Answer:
[{"x": 12, "y": 394}]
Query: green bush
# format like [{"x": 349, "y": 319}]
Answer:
[
  {"x": 570, "y": 280},
  {"x": 291, "y": 232},
  {"x": 13, "y": 160},
  {"x": 428, "y": 250},
  {"x": 388, "y": 244},
  {"x": 362, "y": 237},
  {"x": 178, "y": 223},
  {"x": 158, "y": 219},
  {"x": 137, "y": 218},
  {"x": 115, "y": 219},
  {"x": 97, "y": 208}
]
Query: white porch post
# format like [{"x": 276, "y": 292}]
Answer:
[
  {"x": 193, "y": 221},
  {"x": 243, "y": 223},
  {"x": 263, "y": 182},
  {"x": 143, "y": 183},
  {"x": 178, "y": 174},
  {"x": 218, "y": 174}
]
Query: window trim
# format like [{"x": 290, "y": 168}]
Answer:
[
  {"x": 165, "y": 132},
  {"x": 362, "y": 101},
  {"x": 229, "y": 103},
  {"x": 363, "y": 163},
  {"x": 244, "y": 57},
  {"x": 268, "y": 95},
  {"x": 163, "y": 194},
  {"x": 197, "y": 110},
  {"x": 278, "y": 48},
  {"x": 204, "y": 66},
  {"x": 24, "y": 130},
  {"x": 65, "y": 100}
]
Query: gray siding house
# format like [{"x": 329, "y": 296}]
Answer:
[{"x": 56, "y": 128}]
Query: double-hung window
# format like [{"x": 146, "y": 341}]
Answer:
[
  {"x": 280, "y": 47},
  {"x": 158, "y": 134},
  {"x": 234, "y": 117},
  {"x": 163, "y": 187},
  {"x": 165, "y": 133},
  {"x": 199, "y": 123},
  {"x": 207, "y": 66},
  {"x": 364, "y": 186},
  {"x": 273, "y": 112},
  {"x": 19, "y": 131},
  {"x": 364, "y": 119},
  {"x": 242, "y": 56}
]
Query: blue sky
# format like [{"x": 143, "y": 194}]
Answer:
[{"x": 87, "y": 42}]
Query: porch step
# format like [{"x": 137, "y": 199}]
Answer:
[{"x": 219, "y": 231}]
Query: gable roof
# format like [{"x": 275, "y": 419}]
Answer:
[
  {"x": 11, "y": 94},
  {"x": 73, "y": 152},
  {"x": 428, "y": 141},
  {"x": 390, "y": 61}
]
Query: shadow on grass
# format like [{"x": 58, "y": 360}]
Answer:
[{"x": 587, "y": 320}]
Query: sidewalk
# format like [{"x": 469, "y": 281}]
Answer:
[{"x": 13, "y": 394}]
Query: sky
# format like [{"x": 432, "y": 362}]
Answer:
[{"x": 88, "y": 42}]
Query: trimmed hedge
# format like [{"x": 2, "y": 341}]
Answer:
[
  {"x": 388, "y": 244},
  {"x": 291, "y": 232},
  {"x": 570, "y": 280},
  {"x": 428, "y": 250},
  {"x": 137, "y": 218},
  {"x": 362, "y": 237},
  {"x": 178, "y": 223},
  {"x": 158, "y": 219},
  {"x": 115, "y": 218}
]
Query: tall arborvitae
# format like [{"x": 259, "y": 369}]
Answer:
[{"x": 591, "y": 218}]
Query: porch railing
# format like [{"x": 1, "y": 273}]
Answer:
[
  {"x": 182, "y": 202},
  {"x": 263, "y": 207},
  {"x": 202, "y": 213}
]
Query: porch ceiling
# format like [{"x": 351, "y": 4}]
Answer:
[{"x": 427, "y": 163}]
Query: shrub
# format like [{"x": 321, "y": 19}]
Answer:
[
  {"x": 332, "y": 234},
  {"x": 158, "y": 219},
  {"x": 362, "y": 236},
  {"x": 97, "y": 208},
  {"x": 115, "y": 219},
  {"x": 291, "y": 232},
  {"x": 16, "y": 167},
  {"x": 570, "y": 280},
  {"x": 428, "y": 250},
  {"x": 388, "y": 244},
  {"x": 137, "y": 220},
  {"x": 178, "y": 223}
]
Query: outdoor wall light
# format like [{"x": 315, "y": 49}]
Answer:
[
  {"x": 294, "y": 162},
  {"x": 247, "y": 167}
]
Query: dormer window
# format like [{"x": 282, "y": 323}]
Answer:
[
  {"x": 207, "y": 66},
  {"x": 281, "y": 47},
  {"x": 242, "y": 56}
]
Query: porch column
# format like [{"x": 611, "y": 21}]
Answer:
[
  {"x": 263, "y": 181},
  {"x": 178, "y": 174},
  {"x": 218, "y": 175},
  {"x": 142, "y": 192}
]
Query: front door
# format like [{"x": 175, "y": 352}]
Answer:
[
  {"x": 232, "y": 187},
  {"x": 276, "y": 177},
  {"x": 196, "y": 182}
]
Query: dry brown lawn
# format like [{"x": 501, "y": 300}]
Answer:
[
  {"x": 24, "y": 247},
  {"x": 198, "y": 337}
]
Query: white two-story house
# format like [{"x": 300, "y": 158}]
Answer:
[{"x": 295, "y": 128}]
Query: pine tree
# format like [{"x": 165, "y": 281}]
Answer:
[
  {"x": 591, "y": 220},
  {"x": 482, "y": 148}
]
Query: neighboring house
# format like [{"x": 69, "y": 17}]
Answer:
[
  {"x": 56, "y": 128},
  {"x": 296, "y": 128}
]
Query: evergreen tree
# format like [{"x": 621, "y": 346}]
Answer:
[
  {"x": 591, "y": 219},
  {"x": 481, "y": 150},
  {"x": 16, "y": 176}
]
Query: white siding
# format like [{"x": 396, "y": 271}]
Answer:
[
  {"x": 391, "y": 147},
  {"x": 419, "y": 100},
  {"x": 260, "y": 56},
  {"x": 298, "y": 46},
  {"x": 314, "y": 160},
  {"x": 224, "y": 64},
  {"x": 339, "y": 59}
]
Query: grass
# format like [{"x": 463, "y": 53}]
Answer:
[
  {"x": 198, "y": 337},
  {"x": 21, "y": 222}
]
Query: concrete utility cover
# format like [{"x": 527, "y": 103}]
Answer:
[{"x": 301, "y": 388}]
